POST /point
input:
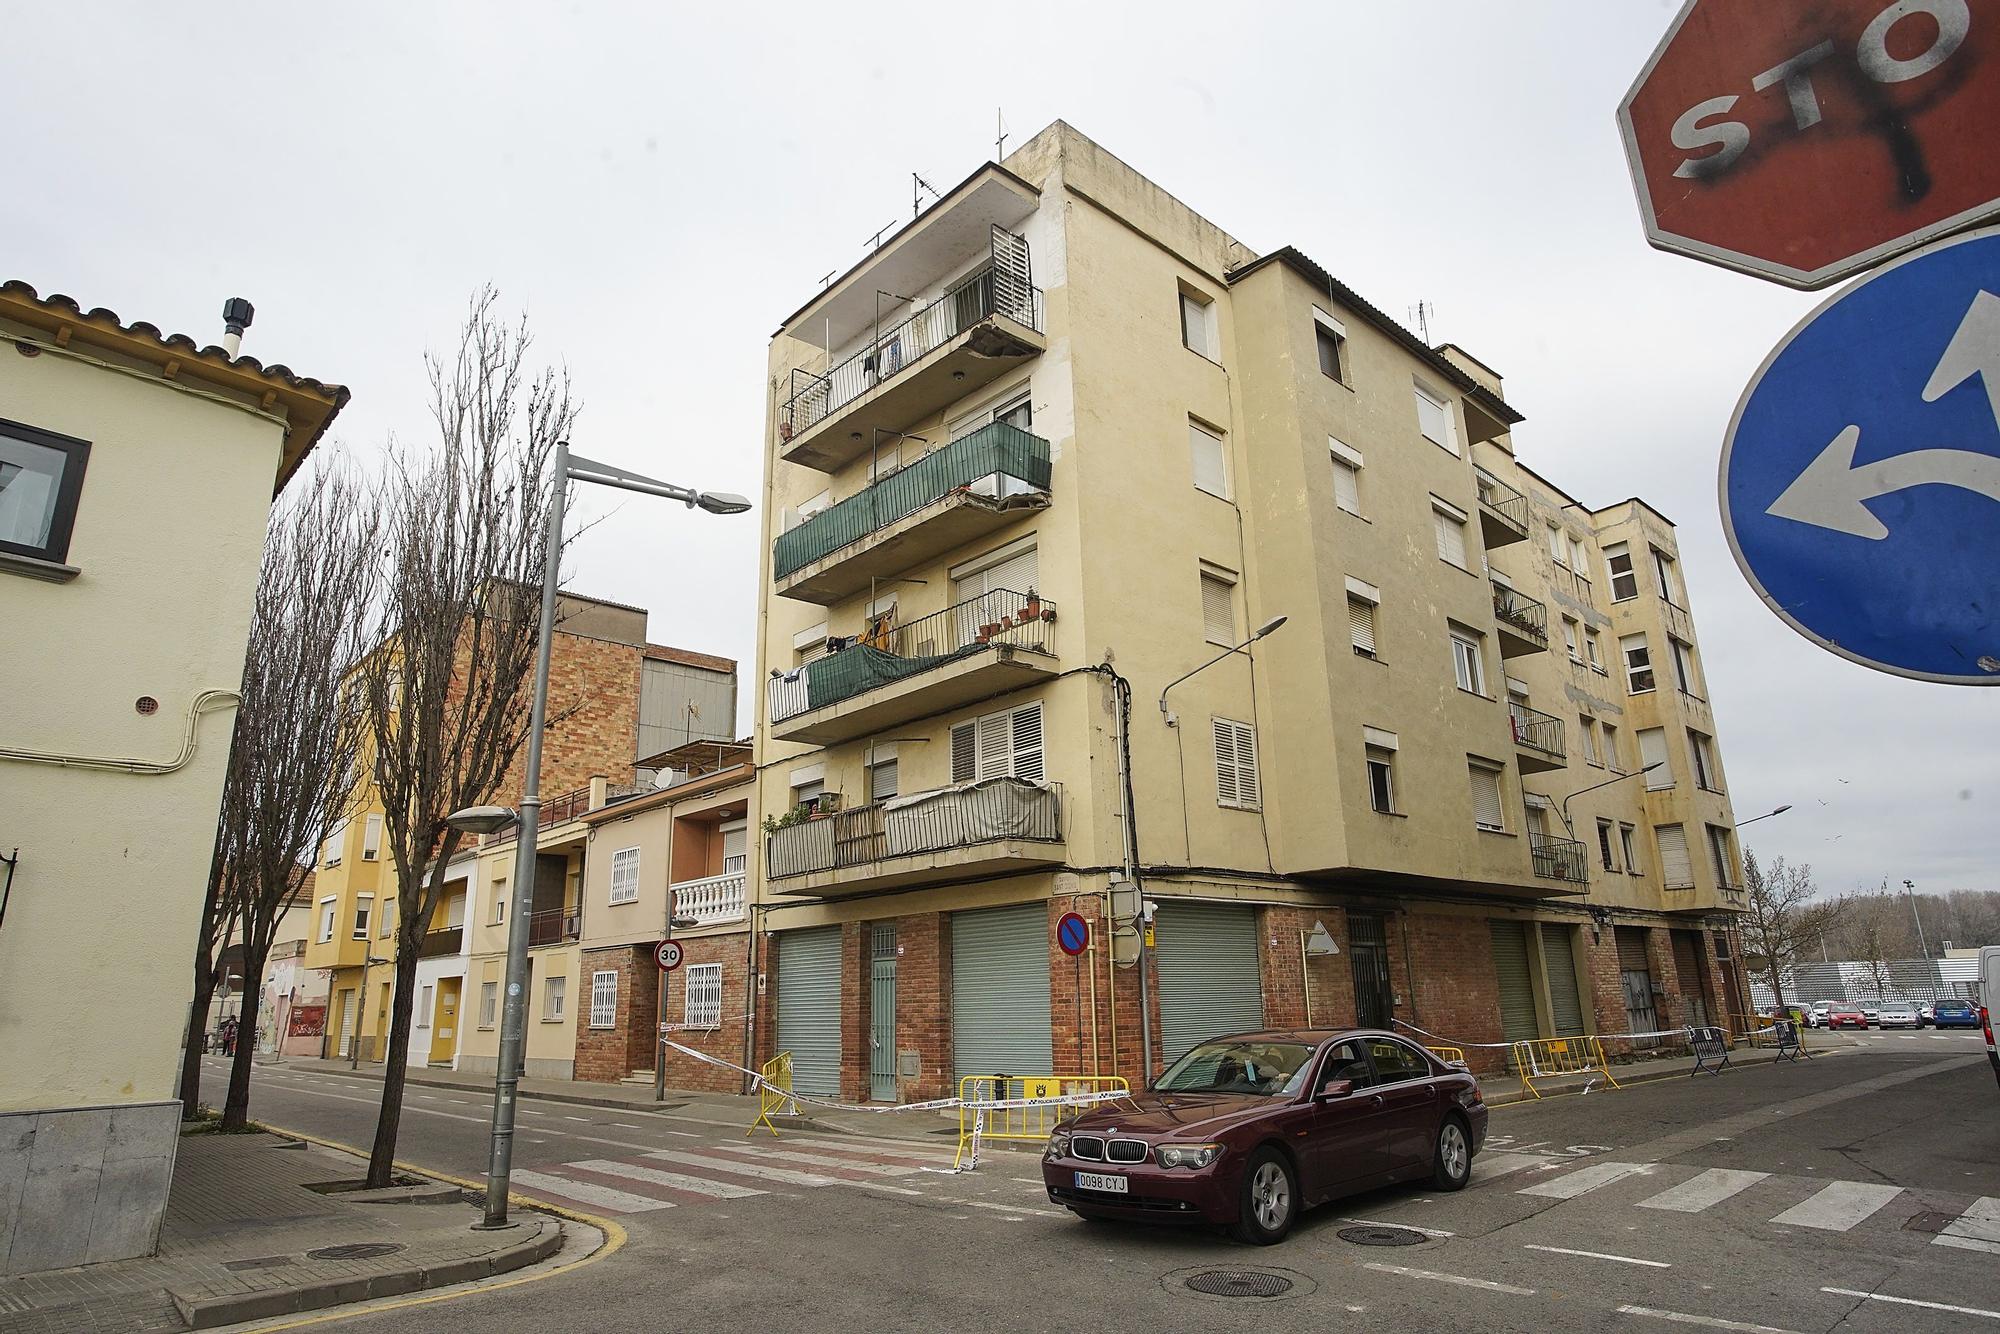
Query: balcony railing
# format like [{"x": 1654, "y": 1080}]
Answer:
[
  {"x": 1579, "y": 584},
  {"x": 1498, "y": 501},
  {"x": 996, "y": 449},
  {"x": 887, "y": 651},
  {"x": 1537, "y": 731},
  {"x": 552, "y": 926},
  {"x": 1522, "y": 615},
  {"x": 986, "y": 812},
  {"x": 715, "y": 898},
  {"x": 997, "y": 289},
  {"x": 556, "y": 810},
  {"x": 1558, "y": 858},
  {"x": 441, "y": 941}
]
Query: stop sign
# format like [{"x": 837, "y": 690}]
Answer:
[{"x": 1804, "y": 142}]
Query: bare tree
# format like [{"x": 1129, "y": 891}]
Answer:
[
  {"x": 1785, "y": 915},
  {"x": 212, "y": 938},
  {"x": 445, "y": 704}
]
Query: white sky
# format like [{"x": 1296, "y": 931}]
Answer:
[{"x": 659, "y": 188}]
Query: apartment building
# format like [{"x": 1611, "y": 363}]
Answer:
[
  {"x": 1061, "y": 433},
  {"x": 137, "y": 472}
]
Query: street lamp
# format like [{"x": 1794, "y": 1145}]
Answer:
[
  {"x": 1562, "y": 810},
  {"x": 1255, "y": 635},
  {"x": 1765, "y": 816},
  {"x": 1910, "y": 889},
  {"x": 514, "y": 1012}
]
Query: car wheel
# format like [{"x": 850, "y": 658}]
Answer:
[
  {"x": 1452, "y": 1163},
  {"x": 1270, "y": 1199}
]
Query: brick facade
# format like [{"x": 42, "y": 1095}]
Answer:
[
  {"x": 593, "y": 726},
  {"x": 731, "y": 950},
  {"x": 608, "y": 1055}
]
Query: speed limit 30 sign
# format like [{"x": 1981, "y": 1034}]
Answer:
[{"x": 667, "y": 954}]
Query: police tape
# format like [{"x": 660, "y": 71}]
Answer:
[{"x": 1681, "y": 1032}]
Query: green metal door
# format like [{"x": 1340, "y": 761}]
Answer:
[
  {"x": 1000, "y": 991},
  {"x": 1517, "y": 990},
  {"x": 1559, "y": 957},
  {"x": 882, "y": 1015},
  {"x": 1206, "y": 955},
  {"x": 809, "y": 1008}
]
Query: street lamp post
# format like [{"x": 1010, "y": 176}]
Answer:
[
  {"x": 1765, "y": 816},
  {"x": 514, "y": 1014},
  {"x": 1910, "y": 889}
]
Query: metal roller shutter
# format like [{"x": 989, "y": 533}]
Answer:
[
  {"x": 1517, "y": 989},
  {"x": 1000, "y": 991},
  {"x": 1206, "y": 954},
  {"x": 809, "y": 1008},
  {"x": 1687, "y": 968},
  {"x": 1632, "y": 956},
  {"x": 1559, "y": 957}
]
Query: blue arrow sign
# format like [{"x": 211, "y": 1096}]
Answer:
[{"x": 1860, "y": 480}]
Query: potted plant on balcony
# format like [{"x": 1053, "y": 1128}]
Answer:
[
  {"x": 1031, "y": 610},
  {"x": 785, "y": 431}
]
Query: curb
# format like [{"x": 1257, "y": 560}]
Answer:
[
  {"x": 573, "y": 1099},
  {"x": 1519, "y": 1095},
  {"x": 208, "y": 1312}
]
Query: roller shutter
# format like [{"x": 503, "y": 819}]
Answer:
[
  {"x": 1687, "y": 968},
  {"x": 1000, "y": 991},
  {"x": 1517, "y": 988},
  {"x": 809, "y": 1008},
  {"x": 1559, "y": 957},
  {"x": 1206, "y": 954}
]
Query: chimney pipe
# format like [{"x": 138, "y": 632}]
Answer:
[{"x": 236, "y": 316}]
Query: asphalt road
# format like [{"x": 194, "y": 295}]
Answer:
[{"x": 1856, "y": 1191}]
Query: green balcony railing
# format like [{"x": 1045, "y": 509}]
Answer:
[{"x": 997, "y": 449}]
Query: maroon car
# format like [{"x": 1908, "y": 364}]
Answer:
[{"x": 1248, "y": 1130}]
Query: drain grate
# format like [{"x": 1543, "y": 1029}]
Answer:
[
  {"x": 1239, "y": 1283},
  {"x": 1382, "y": 1236},
  {"x": 360, "y": 1250}
]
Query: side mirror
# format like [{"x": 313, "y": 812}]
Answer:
[{"x": 1338, "y": 1088}]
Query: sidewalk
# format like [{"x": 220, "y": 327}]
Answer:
[{"x": 245, "y": 1239}]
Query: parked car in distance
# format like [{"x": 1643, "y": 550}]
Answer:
[
  {"x": 1924, "y": 1015},
  {"x": 1816, "y": 1016},
  {"x": 1871, "y": 1007},
  {"x": 1844, "y": 1014},
  {"x": 1955, "y": 1014},
  {"x": 1897, "y": 1014},
  {"x": 1251, "y": 1129}
]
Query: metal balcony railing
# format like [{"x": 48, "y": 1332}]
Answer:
[
  {"x": 556, "y": 810},
  {"x": 888, "y": 651},
  {"x": 1558, "y": 858},
  {"x": 715, "y": 898},
  {"x": 1522, "y": 614},
  {"x": 997, "y": 449},
  {"x": 441, "y": 941},
  {"x": 961, "y": 817},
  {"x": 999, "y": 288},
  {"x": 1503, "y": 500},
  {"x": 552, "y": 926},
  {"x": 1536, "y": 730}
]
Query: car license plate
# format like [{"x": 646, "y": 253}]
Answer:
[{"x": 1100, "y": 1181}]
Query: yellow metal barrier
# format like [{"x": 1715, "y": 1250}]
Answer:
[
  {"x": 1544, "y": 1058},
  {"x": 775, "y": 1095},
  {"x": 1454, "y": 1055},
  {"x": 1028, "y": 1123}
]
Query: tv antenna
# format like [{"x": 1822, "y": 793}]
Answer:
[
  {"x": 999, "y": 134},
  {"x": 875, "y": 241},
  {"x": 1421, "y": 315},
  {"x": 918, "y": 187}
]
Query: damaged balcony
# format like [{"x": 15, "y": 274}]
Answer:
[
  {"x": 1503, "y": 512},
  {"x": 992, "y": 827},
  {"x": 952, "y": 496},
  {"x": 983, "y": 326},
  {"x": 893, "y": 672},
  {"x": 1538, "y": 739},
  {"x": 1523, "y": 622},
  {"x": 1558, "y": 858}
]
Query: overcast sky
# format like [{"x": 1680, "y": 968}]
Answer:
[{"x": 658, "y": 188}]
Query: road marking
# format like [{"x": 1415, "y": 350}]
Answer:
[
  {"x": 730, "y": 1165},
  {"x": 1912, "y": 1301},
  {"x": 1601, "y": 1255},
  {"x": 1707, "y": 1321},
  {"x": 624, "y": 1125},
  {"x": 1698, "y": 1193},
  {"x": 1967, "y": 1244},
  {"x": 844, "y": 1164},
  {"x": 1008, "y": 1208},
  {"x": 883, "y": 1186},
  {"x": 1427, "y": 1231},
  {"x": 1977, "y": 1229},
  {"x": 720, "y": 1190},
  {"x": 1839, "y": 1206},
  {"x": 1459, "y": 1279},
  {"x": 684, "y": 1134},
  {"x": 576, "y": 1118},
  {"x": 1499, "y": 1163},
  {"x": 1573, "y": 1184},
  {"x": 584, "y": 1192}
]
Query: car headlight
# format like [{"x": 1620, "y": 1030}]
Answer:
[
  {"x": 1058, "y": 1146},
  {"x": 1186, "y": 1155}
]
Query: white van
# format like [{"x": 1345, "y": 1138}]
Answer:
[{"x": 1989, "y": 998}]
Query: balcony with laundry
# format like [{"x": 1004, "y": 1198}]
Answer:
[{"x": 993, "y": 826}]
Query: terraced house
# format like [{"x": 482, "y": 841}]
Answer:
[{"x": 1413, "y": 734}]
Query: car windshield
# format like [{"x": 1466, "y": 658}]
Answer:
[{"x": 1239, "y": 1065}]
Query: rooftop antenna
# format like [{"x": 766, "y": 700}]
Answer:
[
  {"x": 999, "y": 134},
  {"x": 875, "y": 241},
  {"x": 1420, "y": 314},
  {"x": 829, "y": 277},
  {"x": 918, "y": 185}
]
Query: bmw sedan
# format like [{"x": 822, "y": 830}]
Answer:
[{"x": 1248, "y": 1131}]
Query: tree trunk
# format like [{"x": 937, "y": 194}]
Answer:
[
  {"x": 197, "y": 1031},
  {"x": 236, "y": 1105},
  {"x": 382, "y": 1157}
]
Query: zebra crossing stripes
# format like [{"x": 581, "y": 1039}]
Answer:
[
  {"x": 586, "y": 1192},
  {"x": 693, "y": 1185},
  {"x": 1977, "y": 1229},
  {"x": 1839, "y": 1205},
  {"x": 1698, "y": 1193},
  {"x": 1832, "y": 1206},
  {"x": 1585, "y": 1179}
]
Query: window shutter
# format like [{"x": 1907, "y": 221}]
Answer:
[
  {"x": 1450, "y": 538},
  {"x": 1225, "y": 763},
  {"x": 1675, "y": 868},
  {"x": 1206, "y": 449},
  {"x": 1346, "y": 486},
  {"x": 1218, "y": 615},
  {"x": 1434, "y": 420},
  {"x": 1027, "y": 729},
  {"x": 995, "y": 745},
  {"x": 1653, "y": 750},
  {"x": 1361, "y": 625},
  {"x": 1486, "y": 798},
  {"x": 964, "y": 753},
  {"x": 1236, "y": 764},
  {"x": 1247, "y": 788}
]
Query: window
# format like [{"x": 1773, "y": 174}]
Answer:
[
  {"x": 1612, "y": 760},
  {"x": 328, "y": 908},
  {"x": 794, "y": 515},
  {"x": 1569, "y": 639},
  {"x": 1396, "y": 1063},
  {"x": 335, "y": 838},
  {"x": 1362, "y": 599},
  {"x": 499, "y": 902},
  {"x": 1579, "y": 562},
  {"x": 1011, "y": 569},
  {"x": 1381, "y": 747},
  {"x": 1675, "y": 869},
  {"x": 1486, "y": 809},
  {"x": 1468, "y": 659},
  {"x": 603, "y": 999},
  {"x": 1198, "y": 325},
  {"x": 371, "y": 839},
  {"x": 1683, "y": 654},
  {"x": 1638, "y": 663},
  {"x": 1653, "y": 751},
  {"x": 1604, "y": 845},
  {"x": 883, "y": 779},
  {"x": 489, "y": 1003},
  {"x": 1725, "y": 857},
  {"x": 807, "y": 784},
  {"x": 1012, "y": 407},
  {"x": 1630, "y": 845},
  {"x": 1004, "y": 744},
  {"x": 1449, "y": 523},
  {"x": 735, "y": 834},
  {"x": 1663, "y": 569},
  {"x": 1346, "y": 476},
  {"x": 424, "y": 1008},
  {"x": 1434, "y": 420},
  {"x": 1706, "y": 775},
  {"x": 809, "y": 644},
  {"x": 1331, "y": 337},
  {"x": 1218, "y": 608},
  {"x": 364, "y": 904},
  {"x": 454, "y": 909},
  {"x": 555, "y": 995},
  {"x": 1588, "y": 726},
  {"x": 625, "y": 875},
  {"x": 1624, "y": 580},
  {"x": 41, "y": 479},
  {"x": 701, "y": 996},
  {"x": 1236, "y": 765},
  {"x": 1558, "y": 550},
  {"x": 1590, "y": 649},
  {"x": 386, "y": 919},
  {"x": 1211, "y": 471},
  {"x": 1345, "y": 1061}
]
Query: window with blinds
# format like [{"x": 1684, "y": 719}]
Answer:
[
  {"x": 1676, "y": 871},
  {"x": 1346, "y": 475},
  {"x": 1450, "y": 531},
  {"x": 624, "y": 875},
  {"x": 1210, "y": 472},
  {"x": 1361, "y": 625},
  {"x": 603, "y": 1000},
  {"x": 1236, "y": 765},
  {"x": 1653, "y": 750},
  {"x": 1018, "y": 572},
  {"x": 371, "y": 838},
  {"x": 1434, "y": 420},
  {"x": 1724, "y": 855},
  {"x": 1218, "y": 609},
  {"x": 1487, "y": 812},
  {"x": 1007, "y": 744}
]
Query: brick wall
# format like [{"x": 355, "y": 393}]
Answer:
[
  {"x": 854, "y": 999},
  {"x": 1670, "y": 1002},
  {"x": 1281, "y": 952},
  {"x": 1456, "y": 991},
  {"x": 593, "y": 717},
  {"x": 1607, "y": 986},
  {"x": 730, "y": 949},
  {"x": 607, "y": 1055},
  {"x": 923, "y": 1005}
]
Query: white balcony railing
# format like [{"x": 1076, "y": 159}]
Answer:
[{"x": 717, "y": 898}]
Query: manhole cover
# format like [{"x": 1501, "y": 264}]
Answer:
[
  {"x": 1239, "y": 1283},
  {"x": 1932, "y": 1223},
  {"x": 360, "y": 1250},
  {"x": 1382, "y": 1236}
]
